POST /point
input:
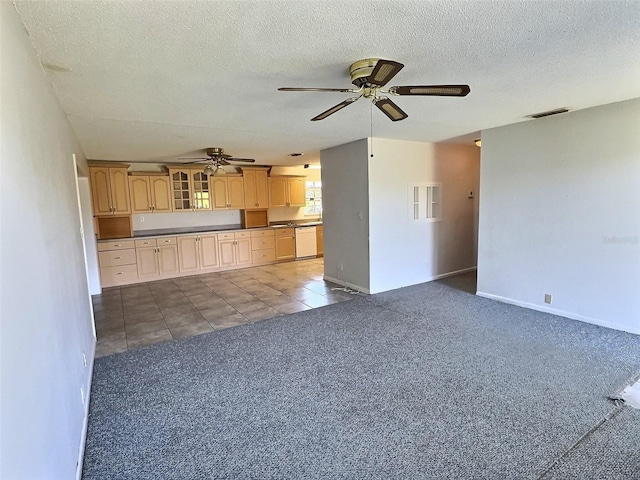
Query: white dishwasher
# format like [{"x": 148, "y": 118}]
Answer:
[{"x": 306, "y": 245}]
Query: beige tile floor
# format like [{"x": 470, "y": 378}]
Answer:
[{"x": 135, "y": 316}]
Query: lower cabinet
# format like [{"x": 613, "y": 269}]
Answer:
[
  {"x": 117, "y": 261},
  {"x": 157, "y": 258},
  {"x": 285, "y": 240},
  {"x": 235, "y": 249},
  {"x": 263, "y": 246},
  {"x": 320, "y": 240},
  {"x": 198, "y": 252}
]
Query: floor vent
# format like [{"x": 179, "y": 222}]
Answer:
[{"x": 548, "y": 113}]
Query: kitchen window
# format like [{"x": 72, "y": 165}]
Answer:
[{"x": 313, "y": 199}]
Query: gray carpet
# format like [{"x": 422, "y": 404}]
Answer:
[{"x": 423, "y": 382}]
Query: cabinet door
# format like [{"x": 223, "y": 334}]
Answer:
[
  {"x": 209, "y": 251},
  {"x": 243, "y": 251},
  {"x": 160, "y": 196},
  {"x": 227, "y": 251},
  {"x": 100, "y": 190},
  {"x": 320, "y": 240},
  {"x": 297, "y": 187},
  {"x": 201, "y": 191},
  {"x": 250, "y": 189},
  {"x": 188, "y": 253},
  {"x": 285, "y": 247},
  {"x": 140, "y": 194},
  {"x": 277, "y": 192},
  {"x": 119, "y": 190},
  {"x": 180, "y": 189},
  {"x": 262, "y": 189},
  {"x": 168, "y": 260},
  {"x": 235, "y": 192},
  {"x": 219, "y": 188},
  {"x": 147, "y": 262}
]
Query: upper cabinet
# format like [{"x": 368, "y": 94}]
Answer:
[
  {"x": 228, "y": 192},
  {"x": 190, "y": 190},
  {"x": 256, "y": 188},
  {"x": 150, "y": 193},
  {"x": 109, "y": 190},
  {"x": 287, "y": 191}
]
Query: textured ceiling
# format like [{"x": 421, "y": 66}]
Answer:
[{"x": 154, "y": 80}]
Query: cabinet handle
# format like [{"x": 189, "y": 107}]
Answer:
[
  {"x": 117, "y": 245},
  {"x": 119, "y": 273},
  {"x": 166, "y": 241},
  {"x": 117, "y": 258}
]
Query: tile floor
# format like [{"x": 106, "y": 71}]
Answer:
[{"x": 135, "y": 316}]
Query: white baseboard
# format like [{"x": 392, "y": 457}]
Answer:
[
  {"x": 346, "y": 284},
  {"x": 451, "y": 274},
  {"x": 561, "y": 313},
  {"x": 85, "y": 423}
]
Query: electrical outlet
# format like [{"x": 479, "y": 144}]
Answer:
[
  {"x": 548, "y": 298},
  {"x": 340, "y": 267}
]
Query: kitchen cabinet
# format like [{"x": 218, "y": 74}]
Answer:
[
  {"x": 117, "y": 261},
  {"x": 190, "y": 189},
  {"x": 198, "y": 252},
  {"x": 228, "y": 192},
  {"x": 150, "y": 193},
  {"x": 235, "y": 249},
  {"x": 320, "y": 240},
  {"x": 256, "y": 188},
  {"x": 157, "y": 257},
  {"x": 285, "y": 241},
  {"x": 287, "y": 191},
  {"x": 109, "y": 190},
  {"x": 263, "y": 246}
]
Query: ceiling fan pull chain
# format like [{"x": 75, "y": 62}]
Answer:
[{"x": 371, "y": 131}]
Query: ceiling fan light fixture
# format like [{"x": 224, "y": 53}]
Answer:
[
  {"x": 209, "y": 170},
  {"x": 219, "y": 171}
]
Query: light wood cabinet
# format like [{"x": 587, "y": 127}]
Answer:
[
  {"x": 320, "y": 240},
  {"x": 198, "y": 252},
  {"x": 109, "y": 190},
  {"x": 190, "y": 189},
  {"x": 117, "y": 260},
  {"x": 256, "y": 188},
  {"x": 228, "y": 192},
  {"x": 287, "y": 191},
  {"x": 150, "y": 193},
  {"x": 285, "y": 244},
  {"x": 235, "y": 249},
  {"x": 157, "y": 257},
  {"x": 263, "y": 246}
]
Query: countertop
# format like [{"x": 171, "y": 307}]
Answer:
[{"x": 216, "y": 228}]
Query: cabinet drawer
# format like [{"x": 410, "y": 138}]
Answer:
[
  {"x": 167, "y": 241},
  {"x": 226, "y": 236},
  {"x": 261, "y": 233},
  {"x": 115, "y": 258},
  {"x": 115, "y": 245},
  {"x": 146, "y": 242},
  {"x": 284, "y": 232},
  {"x": 238, "y": 235},
  {"x": 121, "y": 275},
  {"x": 262, "y": 243},
  {"x": 264, "y": 256}
]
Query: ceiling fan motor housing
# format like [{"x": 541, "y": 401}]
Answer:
[{"x": 361, "y": 70}]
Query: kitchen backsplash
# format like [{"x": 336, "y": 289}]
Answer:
[{"x": 154, "y": 221}]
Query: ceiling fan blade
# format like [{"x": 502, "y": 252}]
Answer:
[
  {"x": 248, "y": 160},
  {"x": 384, "y": 71},
  {"x": 193, "y": 158},
  {"x": 295, "y": 89},
  {"x": 435, "y": 90},
  {"x": 390, "y": 109},
  {"x": 334, "y": 109}
]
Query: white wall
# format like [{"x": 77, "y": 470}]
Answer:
[
  {"x": 404, "y": 252},
  {"x": 345, "y": 196},
  {"x": 560, "y": 214},
  {"x": 153, "y": 221},
  {"x": 44, "y": 301},
  {"x": 93, "y": 269}
]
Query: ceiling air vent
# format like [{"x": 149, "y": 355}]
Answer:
[{"x": 548, "y": 113}]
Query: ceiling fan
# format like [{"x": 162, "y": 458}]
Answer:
[
  {"x": 370, "y": 75},
  {"x": 216, "y": 159}
]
